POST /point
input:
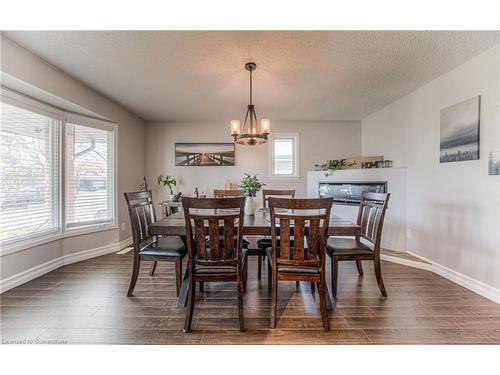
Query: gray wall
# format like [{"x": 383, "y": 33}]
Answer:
[
  {"x": 319, "y": 141},
  {"x": 453, "y": 208},
  {"x": 40, "y": 77}
]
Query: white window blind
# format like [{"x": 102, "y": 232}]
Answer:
[
  {"x": 29, "y": 172},
  {"x": 284, "y": 155},
  {"x": 89, "y": 179}
]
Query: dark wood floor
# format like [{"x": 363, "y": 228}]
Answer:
[{"x": 86, "y": 303}]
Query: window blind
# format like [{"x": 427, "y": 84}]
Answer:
[
  {"x": 283, "y": 156},
  {"x": 29, "y": 183},
  {"x": 89, "y": 182}
]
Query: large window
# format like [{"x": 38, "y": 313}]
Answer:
[
  {"x": 29, "y": 171},
  {"x": 36, "y": 142},
  {"x": 284, "y": 155},
  {"x": 89, "y": 174}
]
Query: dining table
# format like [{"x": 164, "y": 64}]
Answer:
[{"x": 258, "y": 224}]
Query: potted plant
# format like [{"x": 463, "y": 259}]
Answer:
[
  {"x": 167, "y": 181},
  {"x": 330, "y": 167},
  {"x": 251, "y": 186}
]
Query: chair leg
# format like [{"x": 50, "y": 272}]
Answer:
[
  {"x": 202, "y": 286},
  {"x": 152, "y": 268},
  {"x": 297, "y": 285},
  {"x": 274, "y": 307},
  {"x": 135, "y": 274},
  {"x": 360, "y": 267},
  {"x": 245, "y": 276},
  {"x": 240, "y": 306},
  {"x": 313, "y": 287},
  {"x": 190, "y": 306},
  {"x": 178, "y": 275},
  {"x": 335, "y": 271},
  {"x": 269, "y": 277},
  {"x": 259, "y": 267},
  {"x": 378, "y": 274},
  {"x": 322, "y": 304}
]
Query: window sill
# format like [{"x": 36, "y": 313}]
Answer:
[
  {"x": 274, "y": 177},
  {"x": 28, "y": 244}
]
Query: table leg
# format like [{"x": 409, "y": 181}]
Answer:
[{"x": 183, "y": 294}]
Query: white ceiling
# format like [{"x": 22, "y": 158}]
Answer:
[{"x": 199, "y": 75}]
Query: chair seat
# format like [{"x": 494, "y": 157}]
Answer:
[
  {"x": 165, "y": 246},
  {"x": 347, "y": 246},
  {"x": 291, "y": 269},
  {"x": 267, "y": 241}
]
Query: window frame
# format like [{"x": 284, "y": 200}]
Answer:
[
  {"x": 30, "y": 104},
  {"x": 295, "y": 156}
]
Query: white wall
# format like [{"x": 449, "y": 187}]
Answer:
[
  {"x": 41, "y": 80},
  {"x": 319, "y": 141},
  {"x": 453, "y": 209}
]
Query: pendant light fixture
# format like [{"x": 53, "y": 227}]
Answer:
[{"x": 251, "y": 133}]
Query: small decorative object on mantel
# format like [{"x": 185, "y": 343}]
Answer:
[
  {"x": 167, "y": 181},
  {"x": 330, "y": 167},
  {"x": 251, "y": 186},
  {"x": 494, "y": 164},
  {"x": 459, "y": 137}
]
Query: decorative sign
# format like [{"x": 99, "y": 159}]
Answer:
[{"x": 360, "y": 162}]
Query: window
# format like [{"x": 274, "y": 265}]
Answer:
[
  {"x": 284, "y": 155},
  {"x": 45, "y": 152},
  {"x": 29, "y": 171},
  {"x": 89, "y": 174}
]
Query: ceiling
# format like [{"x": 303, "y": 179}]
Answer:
[{"x": 301, "y": 75}]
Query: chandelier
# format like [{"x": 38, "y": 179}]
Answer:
[{"x": 250, "y": 134}]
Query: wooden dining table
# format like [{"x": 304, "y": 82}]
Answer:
[{"x": 253, "y": 225}]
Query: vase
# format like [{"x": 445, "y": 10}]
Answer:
[
  {"x": 171, "y": 197},
  {"x": 250, "y": 203}
]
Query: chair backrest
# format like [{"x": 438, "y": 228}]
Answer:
[
  {"x": 267, "y": 193},
  {"x": 221, "y": 219},
  {"x": 223, "y": 193},
  {"x": 309, "y": 220},
  {"x": 371, "y": 215},
  {"x": 142, "y": 213}
]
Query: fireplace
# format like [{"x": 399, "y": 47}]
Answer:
[{"x": 349, "y": 193}]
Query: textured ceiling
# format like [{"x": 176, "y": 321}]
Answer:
[{"x": 311, "y": 75}]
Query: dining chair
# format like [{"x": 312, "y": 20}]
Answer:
[
  {"x": 264, "y": 243},
  {"x": 307, "y": 220},
  {"x": 221, "y": 261},
  {"x": 148, "y": 247},
  {"x": 371, "y": 214},
  {"x": 225, "y": 193}
]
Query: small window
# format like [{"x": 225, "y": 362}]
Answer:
[{"x": 284, "y": 155}]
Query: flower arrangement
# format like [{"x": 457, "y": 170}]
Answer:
[
  {"x": 167, "y": 181},
  {"x": 331, "y": 166},
  {"x": 251, "y": 184}
]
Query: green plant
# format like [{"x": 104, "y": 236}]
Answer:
[
  {"x": 251, "y": 184},
  {"x": 330, "y": 167},
  {"x": 167, "y": 181}
]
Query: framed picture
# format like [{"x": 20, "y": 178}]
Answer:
[
  {"x": 459, "y": 140},
  {"x": 204, "y": 154}
]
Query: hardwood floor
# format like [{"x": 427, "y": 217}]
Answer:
[{"x": 86, "y": 303}]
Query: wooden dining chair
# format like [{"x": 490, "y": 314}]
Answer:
[
  {"x": 371, "y": 216},
  {"x": 307, "y": 221},
  {"x": 226, "y": 193},
  {"x": 264, "y": 243},
  {"x": 216, "y": 218},
  {"x": 148, "y": 247}
]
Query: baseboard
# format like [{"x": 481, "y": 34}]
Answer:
[
  {"x": 467, "y": 282},
  {"x": 51, "y": 265}
]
